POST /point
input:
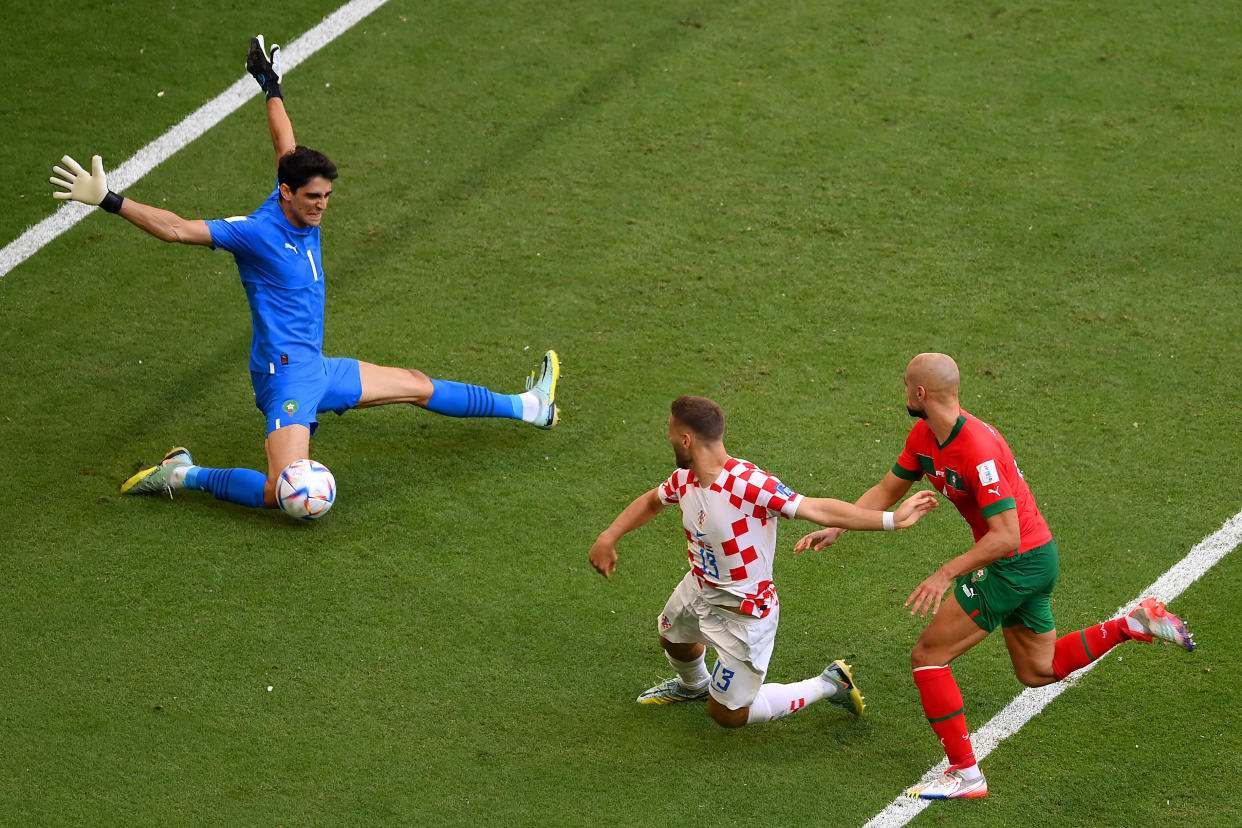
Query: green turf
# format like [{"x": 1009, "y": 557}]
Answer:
[{"x": 774, "y": 206}]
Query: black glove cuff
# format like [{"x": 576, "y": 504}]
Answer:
[
  {"x": 112, "y": 202},
  {"x": 273, "y": 90}
]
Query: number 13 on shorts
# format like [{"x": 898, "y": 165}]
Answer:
[{"x": 721, "y": 676}]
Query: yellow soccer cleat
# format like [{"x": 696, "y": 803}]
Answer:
[
  {"x": 544, "y": 387},
  {"x": 158, "y": 478}
]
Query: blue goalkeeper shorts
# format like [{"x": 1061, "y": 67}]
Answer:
[{"x": 299, "y": 394}]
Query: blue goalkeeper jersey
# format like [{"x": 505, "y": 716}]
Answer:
[{"x": 282, "y": 271}]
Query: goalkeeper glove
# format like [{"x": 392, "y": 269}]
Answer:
[
  {"x": 264, "y": 64},
  {"x": 86, "y": 187}
]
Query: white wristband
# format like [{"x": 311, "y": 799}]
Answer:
[{"x": 888, "y": 522}]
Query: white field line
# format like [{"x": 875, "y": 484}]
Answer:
[
  {"x": 194, "y": 125},
  {"x": 1031, "y": 701}
]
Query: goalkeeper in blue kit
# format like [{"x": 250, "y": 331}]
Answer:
[{"x": 278, "y": 258}]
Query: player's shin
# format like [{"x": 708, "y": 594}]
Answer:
[
  {"x": 1078, "y": 649},
  {"x": 693, "y": 674},
  {"x": 946, "y": 712},
  {"x": 776, "y": 701},
  {"x": 459, "y": 399},
  {"x": 241, "y": 486}
]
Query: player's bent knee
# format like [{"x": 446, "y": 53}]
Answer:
[
  {"x": 921, "y": 656},
  {"x": 725, "y": 717},
  {"x": 681, "y": 652},
  {"x": 1034, "y": 679}
]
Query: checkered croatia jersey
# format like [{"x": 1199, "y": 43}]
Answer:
[{"x": 731, "y": 532}]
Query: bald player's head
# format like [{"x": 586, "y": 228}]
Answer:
[{"x": 930, "y": 378}]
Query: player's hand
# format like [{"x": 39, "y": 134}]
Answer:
[
  {"x": 929, "y": 594},
  {"x": 264, "y": 65},
  {"x": 915, "y": 507},
  {"x": 80, "y": 185},
  {"x": 603, "y": 557},
  {"x": 818, "y": 539}
]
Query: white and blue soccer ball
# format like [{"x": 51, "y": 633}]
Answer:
[{"x": 306, "y": 489}]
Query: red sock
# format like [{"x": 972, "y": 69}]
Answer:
[
  {"x": 942, "y": 703},
  {"x": 1078, "y": 649}
]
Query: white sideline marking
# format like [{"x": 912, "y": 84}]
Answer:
[
  {"x": 1206, "y": 554},
  {"x": 194, "y": 125}
]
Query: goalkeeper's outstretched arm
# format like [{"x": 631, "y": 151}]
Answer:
[
  {"x": 279, "y": 125},
  {"x": 92, "y": 188},
  {"x": 264, "y": 66}
]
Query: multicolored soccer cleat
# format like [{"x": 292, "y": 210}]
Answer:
[
  {"x": 670, "y": 691},
  {"x": 157, "y": 479},
  {"x": 544, "y": 386},
  {"x": 951, "y": 785},
  {"x": 848, "y": 696},
  {"x": 1158, "y": 622}
]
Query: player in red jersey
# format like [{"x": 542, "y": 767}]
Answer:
[
  {"x": 727, "y": 600},
  {"x": 1005, "y": 579}
]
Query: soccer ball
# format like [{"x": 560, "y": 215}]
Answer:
[{"x": 306, "y": 489}]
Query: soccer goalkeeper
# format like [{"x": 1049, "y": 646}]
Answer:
[{"x": 278, "y": 258}]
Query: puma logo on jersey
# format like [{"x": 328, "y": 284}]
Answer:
[
  {"x": 994, "y": 491},
  {"x": 292, "y": 247}
]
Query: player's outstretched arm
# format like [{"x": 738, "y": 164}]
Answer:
[
  {"x": 263, "y": 64},
  {"x": 92, "y": 188},
  {"x": 603, "y": 554},
  {"x": 827, "y": 511},
  {"x": 882, "y": 495}
]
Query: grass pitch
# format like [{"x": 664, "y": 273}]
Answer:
[{"x": 775, "y": 207}]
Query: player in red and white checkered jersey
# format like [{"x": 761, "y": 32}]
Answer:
[{"x": 727, "y": 600}]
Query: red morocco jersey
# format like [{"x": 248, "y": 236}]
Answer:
[
  {"x": 975, "y": 469},
  {"x": 731, "y": 532}
]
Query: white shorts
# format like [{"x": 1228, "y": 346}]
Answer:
[{"x": 743, "y": 643}]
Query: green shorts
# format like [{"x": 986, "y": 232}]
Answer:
[{"x": 1012, "y": 590}]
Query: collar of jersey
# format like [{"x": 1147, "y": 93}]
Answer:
[
  {"x": 961, "y": 421},
  {"x": 715, "y": 484},
  {"x": 290, "y": 227}
]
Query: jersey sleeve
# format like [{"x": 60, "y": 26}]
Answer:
[
  {"x": 990, "y": 487},
  {"x": 908, "y": 466},
  {"x": 670, "y": 490},
  {"x": 236, "y": 235},
  {"x": 766, "y": 492},
  {"x": 239, "y": 235}
]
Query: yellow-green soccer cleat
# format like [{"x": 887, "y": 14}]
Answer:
[
  {"x": 670, "y": 691},
  {"x": 950, "y": 785},
  {"x": 158, "y": 479},
  {"x": 848, "y": 696},
  {"x": 544, "y": 387}
]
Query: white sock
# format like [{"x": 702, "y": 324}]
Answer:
[
  {"x": 971, "y": 773},
  {"x": 176, "y": 478},
  {"x": 776, "y": 701},
  {"x": 530, "y": 406},
  {"x": 693, "y": 674}
]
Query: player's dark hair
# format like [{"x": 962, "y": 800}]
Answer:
[
  {"x": 301, "y": 164},
  {"x": 700, "y": 415}
]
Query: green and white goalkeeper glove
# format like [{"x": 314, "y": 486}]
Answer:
[
  {"x": 86, "y": 187},
  {"x": 264, "y": 65}
]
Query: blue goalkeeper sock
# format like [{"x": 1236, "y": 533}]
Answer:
[
  {"x": 457, "y": 399},
  {"x": 242, "y": 486}
]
